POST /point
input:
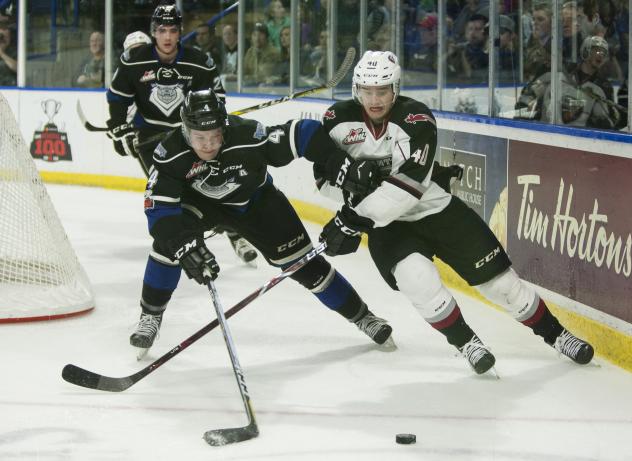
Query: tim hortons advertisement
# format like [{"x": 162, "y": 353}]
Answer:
[{"x": 569, "y": 230}]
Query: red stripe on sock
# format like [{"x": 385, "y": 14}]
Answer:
[
  {"x": 449, "y": 320},
  {"x": 537, "y": 315}
]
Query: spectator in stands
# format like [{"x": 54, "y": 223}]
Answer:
[
  {"x": 8, "y": 56},
  {"x": 318, "y": 59},
  {"x": 470, "y": 60},
  {"x": 586, "y": 98},
  {"x": 348, "y": 25},
  {"x": 205, "y": 41},
  {"x": 606, "y": 27},
  {"x": 278, "y": 19},
  {"x": 537, "y": 54},
  {"x": 507, "y": 55},
  {"x": 424, "y": 58},
  {"x": 571, "y": 36},
  {"x": 228, "y": 51},
  {"x": 261, "y": 58},
  {"x": 91, "y": 71},
  {"x": 282, "y": 74},
  {"x": 378, "y": 25},
  {"x": 470, "y": 8}
]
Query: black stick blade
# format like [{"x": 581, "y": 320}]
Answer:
[
  {"x": 84, "y": 378},
  {"x": 220, "y": 437}
]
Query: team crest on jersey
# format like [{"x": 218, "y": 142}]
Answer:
[
  {"x": 355, "y": 136},
  {"x": 414, "y": 118},
  {"x": 148, "y": 75},
  {"x": 260, "y": 132},
  {"x": 329, "y": 115},
  {"x": 167, "y": 98},
  {"x": 215, "y": 192}
]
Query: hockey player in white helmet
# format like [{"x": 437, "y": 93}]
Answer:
[
  {"x": 409, "y": 219},
  {"x": 136, "y": 39}
]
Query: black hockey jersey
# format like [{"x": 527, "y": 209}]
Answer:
[
  {"x": 404, "y": 147},
  {"x": 159, "y": 88},
  {"x": 234, "y": 176}
]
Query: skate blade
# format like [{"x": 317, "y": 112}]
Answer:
[
  {"x": 252, "y": 263},
  {"x": 388, "y": 345},
  {"x": 141, "y": 353}
]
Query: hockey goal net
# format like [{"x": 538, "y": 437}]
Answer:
[{"x": 40, "y": 275}]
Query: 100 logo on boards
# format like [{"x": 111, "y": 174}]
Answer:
[{"x": 50, "y": 143}]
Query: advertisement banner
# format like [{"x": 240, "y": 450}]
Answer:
[
  {"x": 484, "y": 162},
  {"x": 568, "y": 228}
]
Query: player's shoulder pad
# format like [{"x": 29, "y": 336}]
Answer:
[
  {"x": 412, "y": 115},
  {"x": 197, "y": 57},
  {"x": 245, "y": 130},
  {"x": 172, "y": 145},
  {"x": 140, "y": 53},
  {"x": 342, "y": 111}
]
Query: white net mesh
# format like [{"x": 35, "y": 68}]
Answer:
[{"x": 39, "y": 271}]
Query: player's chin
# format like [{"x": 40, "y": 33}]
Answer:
[{"x": 207, "y": 156}]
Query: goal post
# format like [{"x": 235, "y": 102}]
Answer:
[{"x": 40, "y": 275}]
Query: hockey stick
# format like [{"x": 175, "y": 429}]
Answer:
[
  {"x": 346, "y": 64},
  {"x": 219, "y": 437},
  {"x": 84, "y": 121},
  {"x": 85, "y": 378}
]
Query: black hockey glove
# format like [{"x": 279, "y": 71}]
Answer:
[
  {"x": 123, "y": 136},
  {"x": 359, "y": 177},
  {"x": 363, "y": 177},
  {"x": 444, "y": 176},
  {"x": 344, "y": 232},
  {"x": 196, "y": 260}
]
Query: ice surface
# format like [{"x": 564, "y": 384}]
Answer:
[{"x": 320, "y": 389}]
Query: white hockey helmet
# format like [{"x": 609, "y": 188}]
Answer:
[
  {"x": 377, "y": 68},
  {"x": 593, "y": 42},
  {"x": 136, "y": 38}
]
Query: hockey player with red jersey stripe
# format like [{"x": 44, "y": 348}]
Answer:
[{"x": 390, "y": 141}]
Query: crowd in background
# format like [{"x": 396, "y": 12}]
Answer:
[{"x": 592, "y": 69}]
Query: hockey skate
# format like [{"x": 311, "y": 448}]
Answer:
[
  {"x": 375, "y": 328},
  {"x": 243, "y": 249},
  {"x": 478, "y": 355},
  {"x": 574, "y": 348},
  {"x": 146, "y": 332}
]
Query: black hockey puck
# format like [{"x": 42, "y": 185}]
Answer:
[{"x": 405, "y": 439}]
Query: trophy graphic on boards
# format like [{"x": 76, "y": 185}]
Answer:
[{"x": 50, "y": 143}]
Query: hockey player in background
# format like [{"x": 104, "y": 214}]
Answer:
[
  {"x": 391, "y": 142},
  {"x": 214, "y": 172},
  {"x": 156, "y": 76}
]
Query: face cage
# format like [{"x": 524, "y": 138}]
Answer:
[{"x": 355, "y": 92}]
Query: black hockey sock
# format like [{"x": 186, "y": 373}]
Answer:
[
  {"x": 544, "y": 323},
  {"x": 154, "y": 301},
  {"x": 454, "y": 328}
]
